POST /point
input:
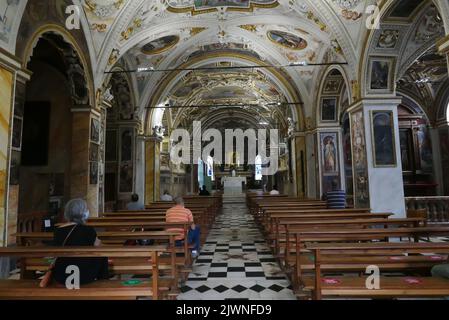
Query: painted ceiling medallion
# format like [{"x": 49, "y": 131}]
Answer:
[
  {"x": 160, "y": 45},
  {"x": 347, "y": 4},
  {"x": 287, "y": 40},
  {"x": 207, "y": 6},
  {"x": 103, "y": 8}
]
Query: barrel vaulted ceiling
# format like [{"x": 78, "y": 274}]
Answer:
[
  {"x": 170, "y": 33},
  {"x": 167, "y": 34}
]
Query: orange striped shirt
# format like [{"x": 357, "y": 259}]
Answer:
[{"x": 178, "y": 214}]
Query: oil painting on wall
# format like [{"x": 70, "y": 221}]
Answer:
[
  {"x": 329, "y": 153},
  {"x": 381, "y": 75},
  {"x": 126, "y": 161},
  {"x": 361, "y": 187},
  {"x": 329, "y": 160},
  {"x": 6, "y": 83},
  {"x": 329, "y": 109},
  {"x": 383, "y": 138}
]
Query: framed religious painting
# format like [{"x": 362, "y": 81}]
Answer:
[
  {"x": 93, "y": 173},
  {"x": 333, "y": 85},
  {"x": 381, "y": 75},
  {"x": 329, "y": 154},
  {"x": 95, "y": 130},
  {"x": 383, "y": 139},
  {"x": 329, "y": 109}
]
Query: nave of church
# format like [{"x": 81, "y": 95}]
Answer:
[
  {"x": 238, "y": 149},
  {"x": 236, "y": 263}
]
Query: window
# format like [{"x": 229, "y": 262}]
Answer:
[{"x": 258, "y": 164}]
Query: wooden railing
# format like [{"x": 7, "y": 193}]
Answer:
[
  {"x": 437, "y": 207},
  {"x": 30, "y": 222}
]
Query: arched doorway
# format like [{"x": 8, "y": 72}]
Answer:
[{"x": 43, "y": 164}]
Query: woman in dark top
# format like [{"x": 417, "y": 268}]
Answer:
[{"x": 75, "y": 233}]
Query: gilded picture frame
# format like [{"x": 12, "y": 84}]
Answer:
[
  {"x": 381, "y": 75},
  {"x": 383, "y": 139}
]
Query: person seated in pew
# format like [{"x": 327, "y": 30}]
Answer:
[
  {"x": 135, "y": 204},
  {"x": 204, "y": 191},
  {"x": 275, "y": 191},
  {"x": 178, "y": 214},
  {"x": 166, "y": 196},
  {"x": 441, "y": 270},
  {"x": 75, "y": 233},
  {"x": 336, "y": 199}
]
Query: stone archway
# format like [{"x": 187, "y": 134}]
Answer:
[{"x": 56, "y": 135}]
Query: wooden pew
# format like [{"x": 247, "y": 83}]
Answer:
[
  {"x": 259, "y": 207},
  {"x": 387, "y": 256},
  {"x": 268, "y": 223},
  {"x": 294, "y": 252},
  {"x": 286, "y": 226},
  {"x": 102, "y": 289},
  {"x": 33, "y": 239}
]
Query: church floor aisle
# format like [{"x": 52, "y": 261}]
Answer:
[{"x": 236, "y": 263}]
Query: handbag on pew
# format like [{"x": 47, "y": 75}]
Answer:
[{"x": 46, "y": 280}]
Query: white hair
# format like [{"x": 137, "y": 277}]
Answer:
[{"x": 76, "y": 210}]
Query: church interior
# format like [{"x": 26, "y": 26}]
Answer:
[{"x": 347, "y": 98}]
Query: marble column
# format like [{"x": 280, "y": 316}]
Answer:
[
  {"x": 10, "y": 75},
  {"x": 196, "y": 152},
  {"x": 152, "y": 169},
  {"x": 140, "y": 167},
  {"x": 436, "y": 158},
  {"x": 84, "y": 176},
  {"x": 378, "y": 184},
  {"x": 6, "y": 99},
  {"x": 312, "y": 164},
  {"x": 299, "y": 163},
  {"x": 15, "y": 157}
]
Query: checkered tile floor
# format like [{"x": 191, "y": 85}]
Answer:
[{"x": 236, "y": 263}]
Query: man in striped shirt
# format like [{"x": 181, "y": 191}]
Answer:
[
  {"x": 336, "y": 199},
  {"x": 178, "y": 214}
]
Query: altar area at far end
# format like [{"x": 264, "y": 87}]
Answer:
[{"x": 233, "y": 186}]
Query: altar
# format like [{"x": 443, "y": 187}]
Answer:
[{"x": 233, "y": 185}]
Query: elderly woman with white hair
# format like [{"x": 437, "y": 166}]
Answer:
[{"x": 76, "y": 233}]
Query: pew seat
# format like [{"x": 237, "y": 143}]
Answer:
[
  {"x": 390, "y": 287},
  {"x": 99, "y": 290}
]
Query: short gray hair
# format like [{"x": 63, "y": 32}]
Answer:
[
  {"x": 179, "y": 200},
  {"x": 76, "y": 211}
]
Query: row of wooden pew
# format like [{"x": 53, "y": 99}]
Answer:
[
  {"x": 313, "y": 244},
  {"x": 160, "y": 266}
]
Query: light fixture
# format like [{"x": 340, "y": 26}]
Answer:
[
  {"x": 268, "y": 66},
  {"x": 423, "y": 80},
  {"x": 299, "y": 63},
  {"x": 145, "y": 69}
]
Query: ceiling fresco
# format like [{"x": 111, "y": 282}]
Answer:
[{"x": 293, "y": 36}]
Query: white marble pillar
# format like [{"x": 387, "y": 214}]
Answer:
[
  {"x": 139, "y": 187},
  {"x": 436, "y": 157},
  {"x": 312, "y": 165},
  {"x": 385, "y": 182}
]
